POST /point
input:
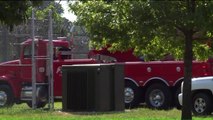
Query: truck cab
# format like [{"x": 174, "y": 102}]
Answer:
[{"x": 16, "y": 75}]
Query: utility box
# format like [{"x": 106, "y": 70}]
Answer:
[{"x": 93, "y": 87}]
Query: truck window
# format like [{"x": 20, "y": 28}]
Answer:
[
  {"x": 104, "y": 58},
  {"x": 62, "y": 52},
  {"x": 28, "y": 51}
]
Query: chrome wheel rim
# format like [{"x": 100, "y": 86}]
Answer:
[
  {"x": 129, "y": 95},
  {"x": 156, "y": 98},
  {"x": 200, "y": 105},
  {"x": 3, "y": 98}
]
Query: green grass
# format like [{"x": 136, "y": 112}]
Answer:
[{"x": 23, "y": 112}]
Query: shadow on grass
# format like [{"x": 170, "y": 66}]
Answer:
[
  {"x": 203, "y": 116},
  {"x": 128, "y": 110}
]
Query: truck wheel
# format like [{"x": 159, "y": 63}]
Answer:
[
  {"x": 131, "y": 94},
  {"x": 202, "y": 104},
  {"x": 38, "y": 104},
  {"x": 6, "y": 96},
  {"x": 158, "y": 96}
]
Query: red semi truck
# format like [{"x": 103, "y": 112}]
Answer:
[{"x": 156, "y": 83}]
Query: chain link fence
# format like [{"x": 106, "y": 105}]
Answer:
[{"x": 10, "y": 40}]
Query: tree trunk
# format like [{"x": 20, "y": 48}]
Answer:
[{"x": 188, "y": 56}]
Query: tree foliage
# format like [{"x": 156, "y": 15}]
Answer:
[
  {"x": 152, "y": 28},
  {"x": 15, "y": 12},
  {"x": 42, "y": 11},
  {"x": 149, "y": 28},
  {"x": 61, "y": 25}
]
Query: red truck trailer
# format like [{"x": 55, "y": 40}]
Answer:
[{"x": 156, "y": 83}]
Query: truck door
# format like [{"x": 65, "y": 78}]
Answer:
[
  {"x": 25, "y": 63},
  {"x": 40, "y": 59}
]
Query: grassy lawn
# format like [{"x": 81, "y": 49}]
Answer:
[{"x": 23, "y": 112}]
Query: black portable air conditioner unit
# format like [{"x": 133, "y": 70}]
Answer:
[{"x": 93, "y": 87}]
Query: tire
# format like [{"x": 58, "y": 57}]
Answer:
[
  {"x": 158, "y": 96},
  {"x": 131, "y": 95},
  {"x": 41, "y": 97},
  {"x": 202, "y": 104},
  {"x": 38, "y": 104},
  {"x": 176, "y": 102},
  {"x": 6, "y": 96}
]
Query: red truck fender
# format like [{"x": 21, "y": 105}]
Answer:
[
  {"x": 132, "y": 80},
  {"x": 178, "y": 82},
  {"x": 156, "y": 78},
  {"x": 12, "y": 83}
]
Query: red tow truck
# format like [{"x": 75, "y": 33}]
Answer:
[{"x": 156, "y": 83}]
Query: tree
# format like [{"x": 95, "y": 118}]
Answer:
[
  {"x": 15, "y": 12},
  {"x": 152, "y": 28},
  {"x": 61, "y": 26}
]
